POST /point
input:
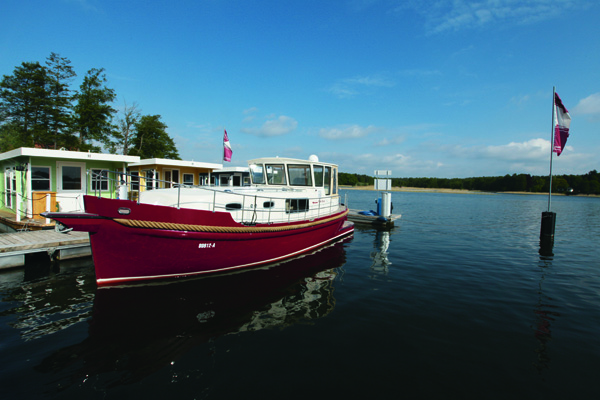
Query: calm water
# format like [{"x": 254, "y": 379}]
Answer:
[{"x": 458, "y": 301}]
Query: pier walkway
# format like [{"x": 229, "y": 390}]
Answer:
[{"x": 15, "y": 246}]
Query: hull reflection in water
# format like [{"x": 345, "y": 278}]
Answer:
[{"x": 135, "y": 331}]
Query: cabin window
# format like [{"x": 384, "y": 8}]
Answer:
[
  {"x": 135, "y": 180},
  {"x": 246, "y": 181},
  {"x": 257, "y": 173},
  {"x": 300, "y": 175},
  {"x": 276, "y": 174},
  {"x": 40, "y": 178},
  {"x": 71, "y": 176},
  {"x": 268, "y": 204},
  {"x": 188, "y": 179},
  {"x": 318, "y": 170},
  {"x": 237, "y": 180},
  {"x": 99, "y": 179},
  {"x": 296, "y": 205},
  {"x": 149, "y": 179},
  {"x": 327, "y": 180},
  {"x": 224, "y": 180},
  {"x": 171, "y": 178}
]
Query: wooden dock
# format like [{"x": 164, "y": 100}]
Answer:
[{"x": 15, "y": 246}]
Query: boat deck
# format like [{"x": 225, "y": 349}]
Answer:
[{"x": 15, "y": 246}]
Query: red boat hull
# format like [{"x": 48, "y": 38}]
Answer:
[{"x": 132, "y": 242}]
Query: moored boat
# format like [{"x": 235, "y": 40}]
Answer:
[{"x": 291, "y": 207}]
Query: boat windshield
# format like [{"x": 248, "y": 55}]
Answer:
[
  {"x": 300, "y": 175},
  {"x": 257, "y": 173},
  {"x": 276, "y": 174}
]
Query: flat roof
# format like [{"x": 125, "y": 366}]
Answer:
[
  {"x": 67, "y": 154},
  {"x": 175, "y": 163}
]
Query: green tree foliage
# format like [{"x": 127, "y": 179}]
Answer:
[
  {"x": 61, "y": 73},
  {"x": 93, "y": 112},
  {"x": 25, "y": 105},
  {"x": 584, "y": 184},
  {"x": 151, "y": 139}
]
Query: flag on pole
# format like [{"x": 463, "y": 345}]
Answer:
[
  {"x": 562, "y": 121},
  {"x": 227, "y": 152}
]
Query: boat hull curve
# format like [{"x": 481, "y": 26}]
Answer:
[{"x": 136, "y": 242}]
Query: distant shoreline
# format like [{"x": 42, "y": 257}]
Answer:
[{"x": 456, "y": 191}]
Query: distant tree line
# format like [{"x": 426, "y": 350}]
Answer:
[
  {"x": 38, "y": 108},
  {"x": 576, "y": 184}
]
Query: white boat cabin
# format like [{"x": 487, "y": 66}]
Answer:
[{"x": 281, "y": 190}]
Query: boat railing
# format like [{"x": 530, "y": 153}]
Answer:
[{"x": 255, "y": 206}]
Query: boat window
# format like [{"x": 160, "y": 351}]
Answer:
[
  {"x": 276, "y": 174},
  {"x": 318, "y": 169},
  {"x": 334, "y": 184},
  {"x": 327, "y": 180},
  {"x": 296, "y": 205},
  {"x": 257, "y": 174},
  {"x": 300, "y": 175},
  {"x": 233, "y": 206},
  {"x": 224, "y": 180},
  {"x": 135, "y": 180},
  {"x": 268, "y": 204}
]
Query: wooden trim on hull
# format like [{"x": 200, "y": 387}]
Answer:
[{"x": 132, "y": 223}]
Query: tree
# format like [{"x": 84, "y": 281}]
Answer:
[
  {"x": 151, "y": 139},
  {"x": 25, "y": 104},
  {"x": 93, "y": 113},
  {"x": 126, "y": 129},
  {"x": 60, "y": 73}
]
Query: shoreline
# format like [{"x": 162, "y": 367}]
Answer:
[{"x": 455, "y": 191}]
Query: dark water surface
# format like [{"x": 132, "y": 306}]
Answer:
[{"x": 458, "y": 301}]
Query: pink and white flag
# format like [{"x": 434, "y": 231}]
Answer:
[
  {"x": 227, "y": 152},
  {"x": 562, "y": 121}
]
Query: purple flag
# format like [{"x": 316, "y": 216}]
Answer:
[
  {"x": 227, "y": 152},
  {"x": 562, "y": 121}
]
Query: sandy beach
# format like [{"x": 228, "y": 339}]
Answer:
[{"x": 438, "y": 190}]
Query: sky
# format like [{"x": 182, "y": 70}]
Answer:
[{"x": 424, "y": 88}]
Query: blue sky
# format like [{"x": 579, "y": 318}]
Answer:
[{"x": 444, "y": 88}]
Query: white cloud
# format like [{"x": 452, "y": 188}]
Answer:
[
  {"x": 453, "y": 15},
  {"x": 350, "y": 87},
  {"x": 279, "y": 126},
  {"x": 589, "y": 105},
  {"x": 346, "y": 132}
]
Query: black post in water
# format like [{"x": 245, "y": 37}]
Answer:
[
  {"x": 548, "y": 224},
  {"x": 547, "y": 233}
]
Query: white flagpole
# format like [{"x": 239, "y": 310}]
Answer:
[{"x": 551, "y": 146}]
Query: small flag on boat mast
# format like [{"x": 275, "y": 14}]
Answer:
[
  {"x": 562, "y": 121},
  {"x": 227, "y": 152}
]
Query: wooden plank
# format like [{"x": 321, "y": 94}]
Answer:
[{"x": 22, "y": 241}]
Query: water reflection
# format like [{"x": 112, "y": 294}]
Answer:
[
  {"x": 379, "y": 255},
  {"x": 545, "y": 312},
  {"x": 46, "y": 299},
  {"x": 135, "y": 331}
]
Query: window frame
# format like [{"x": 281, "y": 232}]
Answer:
[{"x": 33, "y": 180}]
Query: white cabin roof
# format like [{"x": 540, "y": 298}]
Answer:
[
  {"x": 175, "y": 163},
  {"x": 66, "y": 154}
]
